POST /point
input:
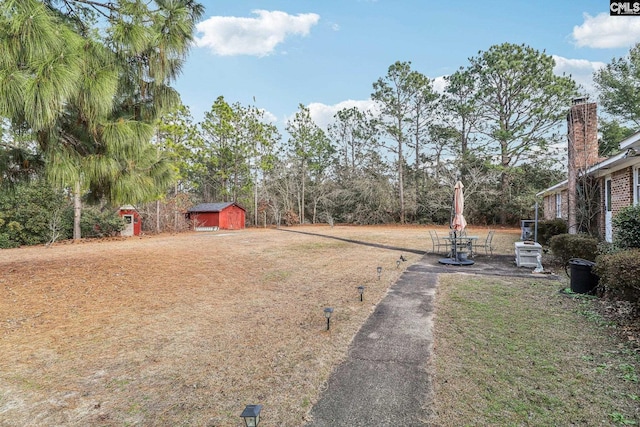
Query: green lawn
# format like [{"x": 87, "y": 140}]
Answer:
[{"x": 517, "y": 352}]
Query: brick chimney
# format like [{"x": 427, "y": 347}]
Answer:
[{"x": 582, "y": 135}]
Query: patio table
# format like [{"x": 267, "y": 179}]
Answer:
[{"x": 462, "y": 242}]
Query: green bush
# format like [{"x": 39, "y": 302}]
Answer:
[
  {"x": 96, "y": 223},
  {"x": 567, "y": 246},
  {"x": 27, "y": 213},
  {"x": 627, "y": 228},
  {"x": 31, "y": 214},
  {"x": 619, "y": 275},
  {"x": 549, "y": 228},
  {"x": 6, "y": 242}
]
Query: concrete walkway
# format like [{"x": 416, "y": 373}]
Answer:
[{"x": 385, "y": 380}]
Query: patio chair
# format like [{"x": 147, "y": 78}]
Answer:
[
  {"x": 487, "y": 243},
  {"x": 437, "y": 244}
]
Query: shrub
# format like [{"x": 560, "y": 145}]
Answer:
[
  {"x": 620, "y": 275},
  {"x": 549, "y": 228},
  {"x": 567, "y": 246},
  {"x": 6, "y": 242},
  {"x": 96, "y": 223},
  {"x": 26, "y": 212},
  {"x": 627, "y": 228}
]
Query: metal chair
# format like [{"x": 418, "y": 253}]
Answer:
[
  {"x": 437, "y": 244},
  {"x": 487, "y": 243}
]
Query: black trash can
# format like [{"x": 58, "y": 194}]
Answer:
[{"x": 583, "y": 281}]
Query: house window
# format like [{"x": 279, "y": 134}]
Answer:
[{"x": 558, "y": 205}]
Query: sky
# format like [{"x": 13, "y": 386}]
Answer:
[{"x": 326, "y": 54}]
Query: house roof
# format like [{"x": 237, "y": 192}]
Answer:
[
  {"x": 628, "y": 156},
  {"x": 631, "y": 141},
  {"x": 213, "y": 207}
]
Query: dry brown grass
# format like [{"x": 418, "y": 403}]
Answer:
[{"x": 186, "y": 329}]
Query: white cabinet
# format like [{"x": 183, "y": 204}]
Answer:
[{"x": 527, "y": 254}]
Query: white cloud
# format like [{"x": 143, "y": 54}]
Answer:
[
  {"x": 439, "y": 84},
  {"x": 258, "y": 36},
  {"x": 604, "y": 31},
  {"x": 268, "y": 116},
  {"x": 322, "y": 114},
  {"x": 581, "y": 70}
]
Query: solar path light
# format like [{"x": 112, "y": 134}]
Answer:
[
  {"x": 327, "y": 314},
  {"x": 251, "y": 415},
  {"x": 361, "y": 290},
  {"x": 379, "y": 272},
  {"x": 398, "y": 264}
]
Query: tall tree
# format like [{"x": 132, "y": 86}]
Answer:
[
  {"x": 310, "y": 149},
  {"x": 460, "y": 108},
  {"x": 618, "y": 83},
  {"x": 89, "y": 78},
  {"x": 612, "y": 134},
  {"x": 423, "y": 107},
  {"x": 19, "y": 157},
  {"x": 405, "y": 98},
  {"x": 236, "y": 147},
  {"x": 355, "y": 133},
  {"x": 227, "y": 151},
  {"x": 176, "y": 136},
  {"x": 262, "y": 138},
  {"x": 522, "y": 104}
]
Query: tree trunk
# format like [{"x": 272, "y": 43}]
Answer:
[
  {"x": 255, "y": 199},
  {"x": 504, "y": 183},
  {"x": 464, "y": 141},
  {"x": 175, "y": 207},
  {"x": 401, "y": 182},
  {"x": 77, "y": 212},
  {"x": 301, "y": 213},
  {"x": 315, "y": 210}
]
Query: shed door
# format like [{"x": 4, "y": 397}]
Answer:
[
  {"x": 234, "y": 219},
  {"x": 608, "y": 215},
  {"x": 128, "y": 228}
]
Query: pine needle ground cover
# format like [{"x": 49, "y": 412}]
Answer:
[
  {"x": 516, "y": 352},
  {"x": 186, "y": 329}
]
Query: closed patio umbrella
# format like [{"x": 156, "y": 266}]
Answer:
[{"x": 458, "y": 223}]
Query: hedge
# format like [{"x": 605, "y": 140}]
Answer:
[
  {"x": 620, "y": 275},
  {"x": 567, "y": 246}
]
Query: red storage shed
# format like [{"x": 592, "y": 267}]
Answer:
[
  {"x": 213, "y": 216},
  {"x": 133, "y": 223}
]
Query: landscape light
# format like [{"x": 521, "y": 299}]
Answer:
[
  {"x": 379, "y": 272},
  {"x": 361, "y": 290},
  {"x": 251, "y": 415},
  {"x": 327, "y": 314}
]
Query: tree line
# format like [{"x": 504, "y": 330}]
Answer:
[{"x": 88, "y": 110}]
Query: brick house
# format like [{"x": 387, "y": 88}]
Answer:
[{"x": 616, "y": 180}]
